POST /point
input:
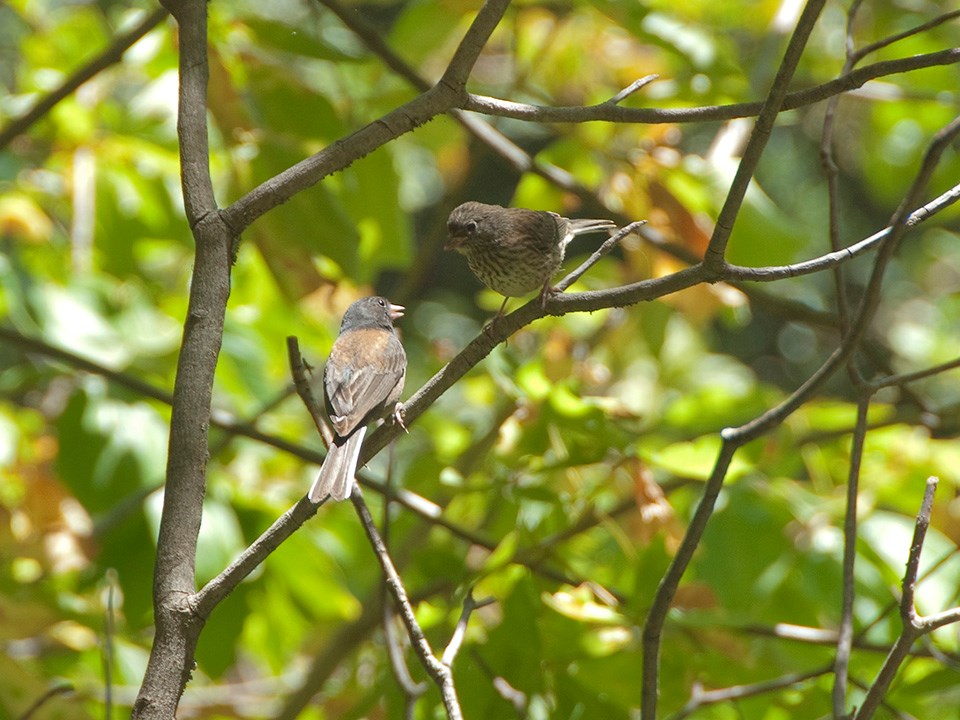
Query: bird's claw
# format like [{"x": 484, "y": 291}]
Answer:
[{"x": 397, "y": 416}]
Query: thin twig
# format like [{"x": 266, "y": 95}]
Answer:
[
  {"x": 702, "y": 698},
  {"x": 517, "y": 698},
  {"x": 598, "y": 254},
  {"x": 831, "y": 173},
  {"x": 632, "y": 88},
  {"x": 108, "y": 630},
  {"x": 460, "y": 631},
  {"x": 412, "y": 690},
  {"x": 298, "y": 369},
  {"x": 834, "y": 259},
  {"x": 107, "y": 57},
  {"x": 58, "y": 689},
  {"x": 912, "y": 623},
  {"x": 916, "y": 30},
  {"x": 841, "y": 664},
  {"x": 438, "y": 672},
  {"x": 905, "y": 378},
  {"x": 715, "y": 256},
  {"x": 654, "y": 116}
]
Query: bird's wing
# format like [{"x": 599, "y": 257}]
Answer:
[
  {"x": 355, "y": 387},
  {"x": 546, "y": 228}
]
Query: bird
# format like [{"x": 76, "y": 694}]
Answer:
[
  {"x": 515, "y": 251},
  {"x": 362, "y": 381}
]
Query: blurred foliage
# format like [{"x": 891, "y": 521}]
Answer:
[{"x": 577, "y": 449}]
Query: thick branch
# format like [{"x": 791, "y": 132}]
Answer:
[
  {"x": 177, "y": 628},
  {"x": 445, "y": 95}
]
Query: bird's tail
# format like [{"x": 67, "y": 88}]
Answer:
[
  {"x": 582, "y": 226},
  {"x": 339, "y": 468}
]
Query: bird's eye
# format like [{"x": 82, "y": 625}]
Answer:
[
  {"x": 381, "y": 302},
  {"x": 471, "y": 227}
]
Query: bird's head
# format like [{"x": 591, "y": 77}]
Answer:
[{"x": 467, "y": 225}]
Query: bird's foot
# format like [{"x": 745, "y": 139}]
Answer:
[
  {"x": 546, "y": 293},
  {"x": 397, "y": 416}
]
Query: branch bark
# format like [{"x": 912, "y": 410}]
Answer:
[{"x": 177, "y": 626}]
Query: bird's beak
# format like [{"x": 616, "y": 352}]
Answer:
[
  {"x": 396, "y": 311},
  {"x": 455, "y": 242}
]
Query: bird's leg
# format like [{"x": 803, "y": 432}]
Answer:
[
  {"x": 546, "y": 292},
  {"x": 397, "y": 417},
  {"x": 488, "y": 328}
]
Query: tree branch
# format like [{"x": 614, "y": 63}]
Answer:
[
  {"x": 841, "y": 665},
  {"x": 177, "y": 627},
  {"x": 913, "y": 626},
  {"x": 439, "y": 672},
  {"x": 838, "y": 257},
  {"x": 715, "y": 256},
  {"x": 733, "y": 438},
  {"x": 657, "y": 116},
  {"x": 107, "y": 57},
  {"x": 667, "y": 588},
  {"x": 443, "y": 96},
  {"x": 703, "y": 698}
]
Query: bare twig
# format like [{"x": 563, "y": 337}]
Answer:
[
  {"x": 857, "y": 56},
  {"x": 837, "y": 258},
  {"x": 460, "y": 631},
  {"x": 58, "y": 689},
  {"x": 598, "y": 254},
  {"x": 906, "y": 378},
  {"x": 716, "y": 251},
  {"x": 412, "y": 690},
  {"x": 702, "y": 698},
  {"x": 109, "y": 56},
  {"x": 632, "y": 88},
  {"x": 653, "y": 116},
  {"x": 913, "y": 624},
  {"x": 437, "y": 670},
  {"x": 653, "y": 627},
  {"x": 108, "y": 630},
  {"x": 517, "y": 698},
  {"x": 733, "y": 438},
  {"x": 298, "y": 370},
  {"x": 841, "y": 664},
  {"x": 831, "y": 172}
]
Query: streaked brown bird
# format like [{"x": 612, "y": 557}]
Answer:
[
  {"x": 515, "y": 251},
  {"x": 362, "y": 381}
]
